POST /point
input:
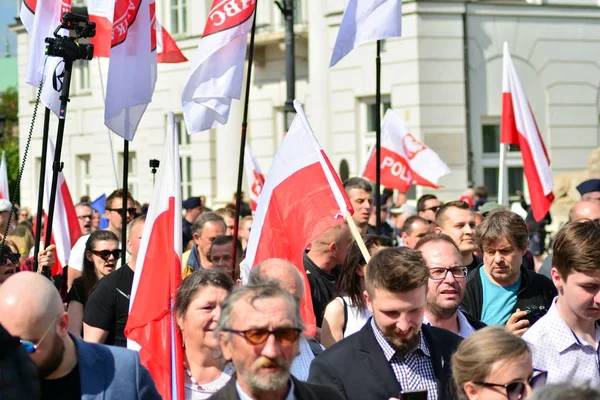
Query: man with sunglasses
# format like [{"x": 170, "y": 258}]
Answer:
[
  {"x": 258, "y": 331},
  {"x": 446, "y": 286},
  {"x": 69, "y": 369},
  {"x": 427, "y": 206}
]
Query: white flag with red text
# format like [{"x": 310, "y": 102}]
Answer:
[
  {"x": 4, "y": 193},
  {"x": 132, "y": 66},
  {"x": 254, "y": 176},
  {"x": 218, "y": 69},
  {"x": 367, "y": 21},
  {"x": 518, "y": 127},
  {"x": 302, "y": 198},
  {"x": 65, "y": 224},
  {"x": 151, "y": 323},
  {"x": 404, "y": 160}
]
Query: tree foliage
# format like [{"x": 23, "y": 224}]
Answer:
[{"x": 9, "y": 139}]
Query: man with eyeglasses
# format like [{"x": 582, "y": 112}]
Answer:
[
  {"x": 446, "y": 286},
  {"x": 427, "y": 206},
  {"x": 258, "y": 331},
  {"x": 85, "y": 214},
  {"x": 69, "y": 369}
]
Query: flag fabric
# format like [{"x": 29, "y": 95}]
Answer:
[
  {"x": 99, "y": 205},
  {"x": 65, "y": 225},
  {"x": 367, "y": 21},
  {"x": 151, "y": 323},
  {"x": 404, "y": 160},
  {"x": 166, "y": 48},
  {"x": 4, "y": 193},
  {"x": 218, "y": 69},
  {"x": 302, "y": 198},
  {"x": 254, "y": 176},
  {"x": 132, "y": 66},
  {"x": 518, "y": 126}
]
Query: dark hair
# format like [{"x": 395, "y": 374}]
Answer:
[
  {"x": 358, "y": 183},
  {"x": 576, "y": 248},
  {"x": 407, "y": 226},
  {"x": 202, "y": 219},
  {"x": 117, "y": 194},
  {"x": 481, "y": 192},
  {"x": 89, "y": 270},
  {"x": 197, "y": 281},
  {"x": 423, "y": 199},
  {"x": 239, "y": 251},
  {"x": 441, "y": 213},
  {"x": 436, "y": 237},
  {"x": 499, "y": 224},
  {"x": 348, "y": 280},
  {"x": 396, "y": 270}
]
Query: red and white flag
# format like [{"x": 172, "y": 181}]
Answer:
[
  {"x": 404, "y": 160},
  {"x": 518, "y": 127},
  {"x": 367, "y": 21},
  {"x": 4, "y": 193},
  {"x": 151, "y": 323},
  {"x": 65, "y": 225},
  {"x": 132, "y": 66},
  {"x": 302, "y": 198},
  {"x": 166, "y": 48},
  {"x": 254, "y": 176},
  {"x": 218, "y": 69}
]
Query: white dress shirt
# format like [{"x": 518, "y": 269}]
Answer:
[{"x": 464, "y": 327}]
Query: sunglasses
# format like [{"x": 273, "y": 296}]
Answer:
[
  {"x": 434, "y": 208},
  {"x": 105, "y": 254},
  {"x": 516, "y": 390},
  {"x": 260, "y": 335},
  {"x": 31, "y": 347},
  {"x": 12, "y": 257},
  {"x": 130, "y": 211}
]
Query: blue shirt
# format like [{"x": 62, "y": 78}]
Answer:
[{"x": 498, "y": 301}]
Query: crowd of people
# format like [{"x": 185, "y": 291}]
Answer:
[{"x": 459, "y": 300}]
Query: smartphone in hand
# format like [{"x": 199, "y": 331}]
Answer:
[{"x": 414, "y": 395}]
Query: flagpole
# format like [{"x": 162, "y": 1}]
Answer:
[
  {"x": 124, "y": 207},
  {"x": 378, "y": 135},
  {"x": 112, "y": 153},
  {"x": 501, "y": 176},
  {"x": 238, "y": 193},
  {"x": 40, "y": 205}
]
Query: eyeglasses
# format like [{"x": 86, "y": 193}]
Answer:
[
  {"x": 130, "y": 211},
  {"x": 105, "y": 254},
  {"x": 31, "y": 347},
  {"x": 516, "y": 390},
  {"x": 260, "y": 335},
  {"x": 85, "y": 216},
  {"x": 9, "y": 256},
  {"x": 437, "y": 274}
]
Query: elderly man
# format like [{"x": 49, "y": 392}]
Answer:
[
  {"x": 258, "y": 331},
  {"x": 31, "y": 309},
  {"x": 206, "y": 228}
]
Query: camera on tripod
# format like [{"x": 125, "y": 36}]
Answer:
[{"x": 68, "y": 47}]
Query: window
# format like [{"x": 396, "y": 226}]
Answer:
[
  {"x": 491, "y": 139},
  {"x": 81, "y": 77},
  {"x": 367, "y": 110},
  {"x": 185, "y": 157},
  {"x": 83, "y": 175},
  {"x": 371, "y": 110},
  {"x": 178, "y": 9},
  {"x": 132, "y": 173}
]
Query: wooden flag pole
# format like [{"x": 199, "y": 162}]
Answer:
[{"x": 357, "y": 237}]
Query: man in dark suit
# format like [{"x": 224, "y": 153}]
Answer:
[
  {"x": 393, "y": 352},
  {"x": 258, "y": 331}
]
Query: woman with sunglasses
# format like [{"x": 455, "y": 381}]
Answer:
[
  {"x": 348, "y": 312},
  {"x": 198, "y": 308},
  {"x": 9, "y": 260},
  {"x": 494, "y": 364},
  {"x": 100, "y": 259}
]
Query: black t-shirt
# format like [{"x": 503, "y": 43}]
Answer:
[
  {"x": 66, "y": 388},
  {"x": 322, "y": 287},
  {"x": 477, "y": 261},
  {"x": 108, "y": 305},
  {"x": 77, "y": 292},
  {"x": 186, "y": 227}
]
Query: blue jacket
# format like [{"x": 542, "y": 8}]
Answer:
[{"x": 108, "y": 372}]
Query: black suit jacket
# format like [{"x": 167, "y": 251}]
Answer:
[
  {"x": 302, "y": 391},
  {"x": 357, "y": 367}
]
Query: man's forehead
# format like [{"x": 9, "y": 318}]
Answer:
[
  {"x": 262, "y": 312},
  {"x": 502, "y": 243},
  {"x": 221, "y": 248},
  {"x": 431, "y": 202},
  {"x": 358, "y": 193}
]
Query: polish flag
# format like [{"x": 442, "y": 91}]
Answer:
[
  {"x": 302, "y": 198},
  {"x": 254, "y": 175},
  {"x": 167, "y": 50},
  {"x": 4, "y": 193},
  {"x": 218, "y": 69},
  {"x": 151, "y": 323},
  {"x": 132, "y": 66},
  {"x": 404, "y": 160},
  {"x": 65, "y": 225},
  {"x": 367, "y": 21},
  {"x": 518, "y": 127}
]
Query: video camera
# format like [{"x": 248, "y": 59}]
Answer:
[{"x": 68, "y": 47}]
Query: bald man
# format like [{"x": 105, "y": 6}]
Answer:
[
  {"x": 288, "y": 277},
  {"x": 585, "y": 209},
  {"x": 31, "y": 309}
]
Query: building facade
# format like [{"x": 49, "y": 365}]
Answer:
[{"x": 443, "y": 77}]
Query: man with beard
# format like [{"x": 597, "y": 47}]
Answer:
[
  {"x": 258, "y": 331},
  {"x": 31, "y": 309},
  {"x": 393, "y": 352},
  {"x": 457, "y": 220},
  {"x": 565, "y": 340},
  {"x": 446, "y": 286},
  {"x": 502, "y": 290}
]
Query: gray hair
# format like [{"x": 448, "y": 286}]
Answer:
[
  {"x": 565, "y": 391},
  {"x": 196, "y": 282},
  {"x": 252, "y": 293},
  {"x": 358, "y": 183},
  {"x": 205, "y": 217}
]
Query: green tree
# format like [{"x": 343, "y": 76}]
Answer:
[{"x": 9, "y": 139}]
